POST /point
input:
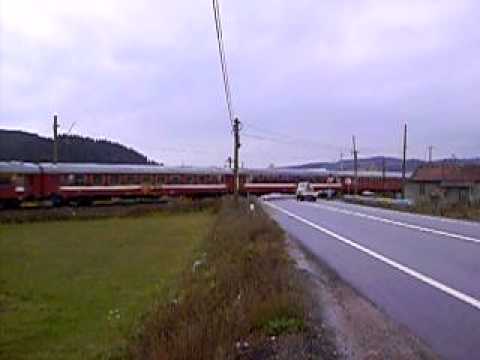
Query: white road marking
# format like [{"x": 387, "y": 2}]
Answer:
[
  {"x": 409, "y": 214},
  {"x": 144, "y": 187},
  {"x": 405, "y": 269},
  {"x": 399, "y": 223},
  {"x": 99, "y": 187}
]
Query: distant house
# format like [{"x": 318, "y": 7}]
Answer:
[{"x": 446, "y": 183}]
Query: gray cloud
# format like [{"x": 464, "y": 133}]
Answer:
[{"x": 305, "y": 76}]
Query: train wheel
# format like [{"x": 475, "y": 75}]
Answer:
[
  {"x": 56, "y": 200},
  {"x": 10, "y": 204},
  {"x": 85, "y": 202}
]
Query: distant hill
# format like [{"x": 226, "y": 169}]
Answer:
[
  {"x": 23, "y": 146},
  {"x": 376, "y": 163}
]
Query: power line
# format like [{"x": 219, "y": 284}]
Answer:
[
  {"x": 223, "y": 61},
  {"x": 262, "y": 133},
  {"x": 234, "y": 122},
  {"x": 279, "y": 138}
]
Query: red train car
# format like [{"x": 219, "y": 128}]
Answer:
[
  {"x": 66, "y": 182},
  {"x": 266, "y": 181}
]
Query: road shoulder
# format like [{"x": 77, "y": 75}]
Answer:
[{"x": 360, "y": 329}]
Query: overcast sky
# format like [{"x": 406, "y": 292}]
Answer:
[{"x": 305, "y": 76}]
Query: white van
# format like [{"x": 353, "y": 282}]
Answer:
[{"x": 305, "y": 192}]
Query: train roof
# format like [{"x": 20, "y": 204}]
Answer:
[
  {"x": 79, "y": 168},
  {"x": 17, "y": 167},
  {"x": 321, "y": 172},
  {"x": 283, "y": 171},
  {"x": 373, "y": 173}
]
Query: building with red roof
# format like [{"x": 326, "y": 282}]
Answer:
[{"x": 448, "y": 182}]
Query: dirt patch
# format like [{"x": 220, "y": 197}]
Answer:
[
  {"x": 361, "y": 330},
  {"x": 315, "y": 341}
]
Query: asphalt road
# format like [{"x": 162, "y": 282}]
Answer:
[{"x": 424, "y": 272}]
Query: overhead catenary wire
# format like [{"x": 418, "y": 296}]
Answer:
[
  {"x": 264, "y": 134},
  {"x": 234, "y": 121},
  {"x": 223, "y": 60}
]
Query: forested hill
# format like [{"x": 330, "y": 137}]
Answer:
[{"x": 23, "y": 146}]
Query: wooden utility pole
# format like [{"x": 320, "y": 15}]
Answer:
[
  {"x": 55, "y": 139},
  {"x": 236, "y": 147},
  {"x": 404, "y": 162},
  {"x": 355, "y": 166}
]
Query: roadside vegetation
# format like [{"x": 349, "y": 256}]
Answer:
[
  {"x": 104, "y": 209},
  {"x": 241, "y": 293},
  {"x": 76, "y": 289},
  {"x": 457, "y": 211}
]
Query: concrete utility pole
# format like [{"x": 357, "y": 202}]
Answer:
[
  {"x": 55, "y": 139},
  {"x": 341, "y": 161},
  {"x": 229, "y": 162},
  {"x": 404, "y": 162},
  {"x": 355, "y": 166},
  {"x": 430, "y": 153},
  {"x": 236, "y": 147},
  {"x": 384, "y": 172}
]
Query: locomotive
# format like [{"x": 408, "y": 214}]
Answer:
[{"x": 74, "y": 182}]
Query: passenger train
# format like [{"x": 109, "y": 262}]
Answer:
[{"x": 73, "y": 182}]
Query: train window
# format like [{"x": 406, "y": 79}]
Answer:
[
  {"x": 79, "y": 179},
  {"x": 131, "y": 179},
  {"x": 189, "y": 180},
  {"x": 97, "y": 179},
  {"x": 67, "y": 179},
  {"x": 5, "y": 179},
  {"x": 114, "y": 179},
  {"x": 18, "y": 180},
  {"x": 175, "y": 179},
  {"x": 146, "y": 179},
  {"x": 160, "y": 179}
]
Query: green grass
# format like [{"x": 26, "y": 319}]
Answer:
[{"x": 75, "y": 289}]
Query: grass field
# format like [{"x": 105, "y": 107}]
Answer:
[{"x": 74, "y": 289}]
